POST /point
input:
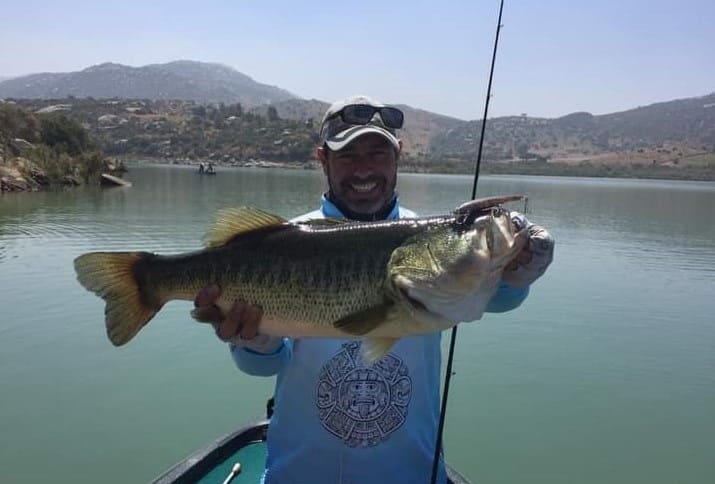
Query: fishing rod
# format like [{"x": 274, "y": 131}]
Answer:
[{"x": 453, "y": 339}]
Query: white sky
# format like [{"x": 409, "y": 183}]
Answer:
[{"x": 555, "y": 56}]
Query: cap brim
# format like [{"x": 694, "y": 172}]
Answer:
[{"x": 342, "y": 139}]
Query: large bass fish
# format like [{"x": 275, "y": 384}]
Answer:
[{"x": 322, "y": 278}]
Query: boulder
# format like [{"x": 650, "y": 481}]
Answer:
[
  {"x": 109, "y": 119},
  {"x": 54, "y": 108},
  {"x": 21, "y": 145},
  {"x": 29, "y": 172},
  {"x": 10, "y": 184},
  {"x": 13, "y": 180}
]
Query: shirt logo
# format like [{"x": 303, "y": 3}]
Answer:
[{"x": 362, "y": 405}]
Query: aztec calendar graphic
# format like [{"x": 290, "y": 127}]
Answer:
[{"x": 362, "y": 405}]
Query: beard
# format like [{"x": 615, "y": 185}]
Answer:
[{"x": 372, "y": 204}]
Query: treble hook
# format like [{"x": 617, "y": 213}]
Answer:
[{"x": 469, "y": 211}]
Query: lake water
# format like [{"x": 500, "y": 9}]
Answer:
[{"x": 605, "y": 374}]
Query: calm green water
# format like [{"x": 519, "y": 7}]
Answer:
[{"x": 605, "y": 374}]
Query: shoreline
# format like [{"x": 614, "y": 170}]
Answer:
[
  {"x": 582, "y": 170},
  {"x": 704, "y": 173}
]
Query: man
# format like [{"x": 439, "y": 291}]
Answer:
[{"x": 337, "y": 419}]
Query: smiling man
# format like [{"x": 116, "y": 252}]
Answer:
[
  {"x": 338, "y": 419},
  {"x": 360, "y": 162}
]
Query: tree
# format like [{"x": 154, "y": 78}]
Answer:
[
  {"x": 522, "y": 150},
  {"x": 272, "y": 114},
  {"x": 64, "y": 134}
]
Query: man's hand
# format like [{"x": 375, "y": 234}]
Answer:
[
  {"x": 532, "y": 262},
  {"x": 239, "y": 326}
]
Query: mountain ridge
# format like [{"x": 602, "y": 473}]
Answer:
[
  {"x": 662, "y": 132},
  {"x": 181, "y": 80}
]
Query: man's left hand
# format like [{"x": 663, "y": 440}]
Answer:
[{"x": 534, "y": 259}]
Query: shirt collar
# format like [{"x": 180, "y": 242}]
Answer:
[{"x": 331, "y": 211}]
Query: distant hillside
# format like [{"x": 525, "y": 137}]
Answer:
[
  {"x": 286, "y": 133},
  {"x": 184, "y": 80},
  {"x": 685, "y": 124},
  {"x": 420, "y": 126},
  {"x": 689, "y": 120},
  {"x": 682, "y": 126},
  {"x": 298, "y": 109},
  {"x": 668, "y": 134}
]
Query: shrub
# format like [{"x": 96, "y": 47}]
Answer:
[
  {"x": 63, "y": 134},
  {"x": 16, "y": 122}
]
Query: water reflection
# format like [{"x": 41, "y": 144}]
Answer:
[{"x": 620, "y": 331}]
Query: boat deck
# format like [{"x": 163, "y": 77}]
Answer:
[{"x": 247, "y": 446}]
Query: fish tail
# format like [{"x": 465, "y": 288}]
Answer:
[{"x": 112, "y": 276}]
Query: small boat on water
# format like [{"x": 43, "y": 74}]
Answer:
[
  {"x": 213, "y": 464},
  {"x": 239, "y": 458},
  {"x": 206, "y": 169}
]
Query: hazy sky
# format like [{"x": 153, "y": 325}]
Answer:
[{"x": 555, "y": 56}]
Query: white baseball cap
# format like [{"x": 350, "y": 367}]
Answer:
[{"x": 338, "y": 133}]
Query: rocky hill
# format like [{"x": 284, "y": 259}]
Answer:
[
  {"x": 47, "y": 150},
  {"x": 684, "y": 125},
  {"x": 419, "y": 130},
  {"x": 190, "y": 110},
  {"x": 183, "y": 80},
  {"x": 183, "y": 130}
]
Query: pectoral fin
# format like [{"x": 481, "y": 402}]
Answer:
[
  {"x": 364, "y": 321},
  {"x": 373, "y": 349}
]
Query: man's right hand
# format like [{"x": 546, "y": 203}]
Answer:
[{"x": 238, "y": 326}]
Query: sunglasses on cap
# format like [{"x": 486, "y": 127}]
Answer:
[{"x": 357, "y": 114}]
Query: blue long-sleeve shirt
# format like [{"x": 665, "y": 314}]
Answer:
[{"x": 338, "y": 420}]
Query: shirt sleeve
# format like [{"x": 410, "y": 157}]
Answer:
[
  {"x": 262, "y": 364},
  {"x": 507, "y": 298}
]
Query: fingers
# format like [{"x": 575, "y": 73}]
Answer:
[
  {"x": 206, "y": 310},
  {"x": 541, "y": 242},
  {"x": 230, "y": 323},
  {"x": 519, "y": 220},
  {"x": 252, "y": 315},
  {"x": 531, "y": 263},
  {"x": 523, "y": 258},
  {"x": 207, "y": 314},
  {"x": 246, "y": 334},
  {"x": 241, "y": 322},
  {"x": 208, "y": 295}
]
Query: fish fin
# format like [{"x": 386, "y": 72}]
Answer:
[
  {"x": 325, "y": 222},
  {"x": 372, "y": 349},
  {"x": 230, "y": 222},
  {"x": 363, "y": 322},
  {"x": 111, "y": 276}
]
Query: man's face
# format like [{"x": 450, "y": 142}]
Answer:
[{"x": 362, "y": 175}]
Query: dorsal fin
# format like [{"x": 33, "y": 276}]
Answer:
[
  {"x": 231, "y": 222},
  {"x": 325, "y": 222}
]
